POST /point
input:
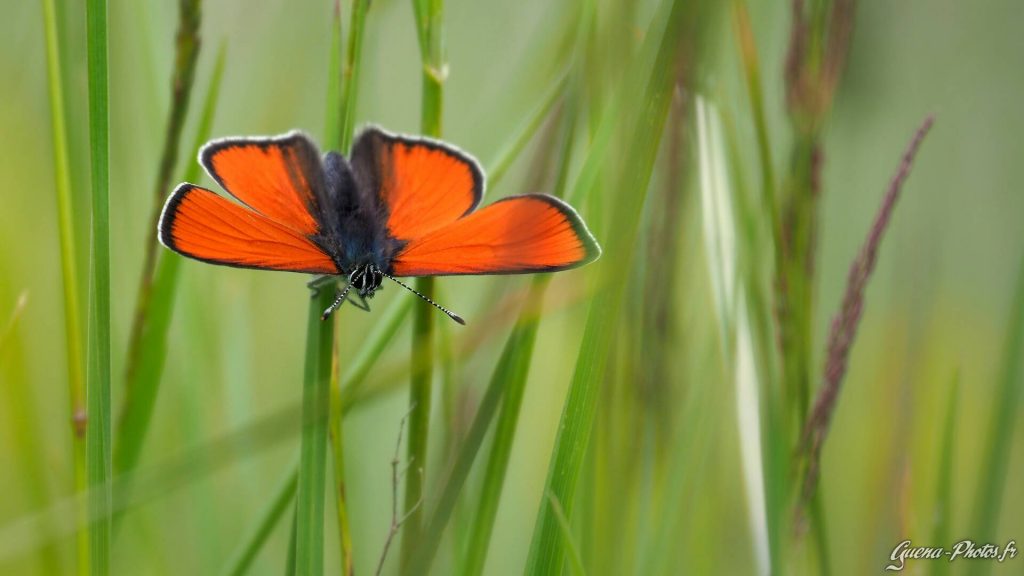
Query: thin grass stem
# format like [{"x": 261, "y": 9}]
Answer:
[
  {"x": 309, "y": 509},
  {"x": 351, "y": 72},
  {"x": 69, "y": 272},
  {"x": 429, "y": 25},
  {"x": 332, "y": 140},
  {"x": 342, "y": 90}
]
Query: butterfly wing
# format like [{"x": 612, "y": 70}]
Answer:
[
  {"x": 203, "y": 225},
  {"x": 422, "y": 184},
  {"x": 518, "y": 234},
  {"x": 281, "y": 178}
]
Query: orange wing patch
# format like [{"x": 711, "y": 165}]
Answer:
[
  {"x": 276, "y": 177},
  {"x": 200, "y": 224},
  {"x": 520, "y": 234},
  {"x": 425, "y": 184}
]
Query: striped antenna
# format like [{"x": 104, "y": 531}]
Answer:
[
  {"x": 337, "y": 302},
  {"x": 450, "y": 314}
]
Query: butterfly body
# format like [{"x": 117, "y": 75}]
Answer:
[
  {"x": 352, "y": 222},
  {"x": 397, "y": 206}
]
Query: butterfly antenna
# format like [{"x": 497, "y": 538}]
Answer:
[
  {"x": 450, "y": 314},
  {"x": 337, "y": 302}
]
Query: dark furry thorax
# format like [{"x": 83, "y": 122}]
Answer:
[{"x": 353, "y": 219}]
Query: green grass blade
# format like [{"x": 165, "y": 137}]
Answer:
[
  {"x": 69, "y": 272},
  {"x": 98, "y": 383},
  {"x": 429, "y": 24},
  {"x": 547, "y": 551},
  {"x": 144, "y": 380},
  {"x": 1005, "y": 408},
  {"x": 420, "y": 392},
  {"x": 309, "y": 510},
  {"x": 944, "y": 491},
  {"x": 337, "y": 439},
  {"x": 317, "y": 400},
  {"x": 253, "y": 542}
]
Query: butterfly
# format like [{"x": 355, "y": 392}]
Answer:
[{"x": 397, "y": 206}]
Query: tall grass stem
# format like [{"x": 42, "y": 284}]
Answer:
[
  {"x": 69, "y": 271},
  {"x": 309, "y": 508},
  {"x": 428, "y": 15}
]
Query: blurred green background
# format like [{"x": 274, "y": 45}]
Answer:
[{"x": 939, "y": 302}]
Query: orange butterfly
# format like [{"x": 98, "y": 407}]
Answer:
[{"x": 400, "y": 206}]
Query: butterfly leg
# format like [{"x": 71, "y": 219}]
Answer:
[
  {"x": 319, "y": 282},
  {"x": 364, "y": 306}
]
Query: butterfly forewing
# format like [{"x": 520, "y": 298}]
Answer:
[
  {"x": 423, "y": 184},
  {"x": 281, "y": 178}
]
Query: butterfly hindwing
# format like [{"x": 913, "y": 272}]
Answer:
[
  {"x": 281, "y": 178},
  {"x": 518, "y": 234},
  {"x": 203, "y": 225},
  {"x": 422, "y": 184}
]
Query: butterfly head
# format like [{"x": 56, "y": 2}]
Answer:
[{"x": 366, "y": 279}]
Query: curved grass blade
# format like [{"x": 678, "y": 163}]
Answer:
[
  {"x": 1005, "y": 409},
  {"x": 547, "y": 550}
]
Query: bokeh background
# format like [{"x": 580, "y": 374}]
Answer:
[{"x": 939, "y": 304}]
